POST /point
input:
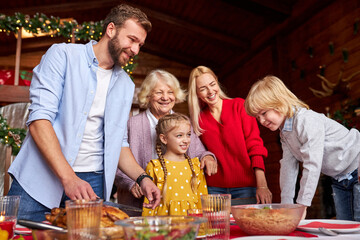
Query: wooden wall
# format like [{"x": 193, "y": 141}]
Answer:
[{"x": 333, "y": 24}]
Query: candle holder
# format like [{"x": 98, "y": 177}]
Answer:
[{"x": 9, "y": 206}]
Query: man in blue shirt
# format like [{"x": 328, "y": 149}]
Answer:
[{"x": 80, "y": 102}]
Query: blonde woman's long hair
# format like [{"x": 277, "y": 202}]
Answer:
[
  {"x": 164, "y": 126},
  {"x": 195, "y": 105},
  {"x": 271, "y": 93},
  {"x": 150, "y": 81}
]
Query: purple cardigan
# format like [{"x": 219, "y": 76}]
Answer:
[{"x": 139, "y": 138}]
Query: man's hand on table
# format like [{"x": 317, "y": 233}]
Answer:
[{"x": 151, "y": 192}]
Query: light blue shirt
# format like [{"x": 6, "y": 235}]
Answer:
[
  {"x": 288, "y": 125},
  {"x": 62, "y": 91}
]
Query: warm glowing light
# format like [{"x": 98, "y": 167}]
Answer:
[
  {"x": 28, "y": 34},
  {"x": 2, "y": 218}
]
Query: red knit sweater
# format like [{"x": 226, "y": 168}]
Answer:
[{"x": 236, "y": 144}]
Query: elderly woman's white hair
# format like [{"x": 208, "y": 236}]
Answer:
[{"x": 149, "y": 84}]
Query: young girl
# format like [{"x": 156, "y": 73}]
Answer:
[
  {"x": 180, "y": 178},
  {"x": 320, "y": 143}
]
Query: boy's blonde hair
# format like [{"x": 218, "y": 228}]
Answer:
[
  {"x": 271, "y": 93},
  {"x": 164, "y": 126},
  {"x": 195, "y": 105}
]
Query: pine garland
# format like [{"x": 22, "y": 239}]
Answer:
[
  {"x": 12, "y": 137},
  {"x": 40, "y": 23}
]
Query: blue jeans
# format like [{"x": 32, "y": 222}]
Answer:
[
  {"x": 357, "y": 202},
  {"x": 33, "y": 210},
  {"x": 344, "y": 197},
  {"x": 244, "y": 192}
]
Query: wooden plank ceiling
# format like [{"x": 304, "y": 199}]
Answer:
[{"x": 217, "y": 33}]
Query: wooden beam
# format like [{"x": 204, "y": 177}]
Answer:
[
  {"x": 17, "y": 58},
  {"x": 14, "y": 94},
  {"x": 274, "y": 10},
  {"x": 30, "y": 45},
  {"x": 175, "y": 56},
  {"x": 267, "y": 37},
  {"x": 194, "y": 29},
  {"x": 8, "y": 157},
  {"x": 82, "y": 9},
  {"x": 63, "y": 8},
  {"x": 282, "y": 7}
]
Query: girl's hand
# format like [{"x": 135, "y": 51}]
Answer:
[
  {"x": 263, "y": 195},
  {"x": 210, "y": 165},
  {"x": 136, "y": 191}
]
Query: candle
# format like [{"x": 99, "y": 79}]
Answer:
[{"x": 8, "y": 225}]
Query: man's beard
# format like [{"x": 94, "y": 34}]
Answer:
[{"x": 115, "y": 50}]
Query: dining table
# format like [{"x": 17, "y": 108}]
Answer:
[{"x": 236, "y": 233}]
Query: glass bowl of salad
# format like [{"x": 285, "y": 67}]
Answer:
[
  {"x": 268, "y": 219},
  {"x": 161, "y": 227}
]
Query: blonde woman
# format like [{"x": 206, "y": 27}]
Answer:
[
  {"x": 232, "y": 135},
  {"x": 320, "y": 143},
  {"x": 159, "y": 93}
]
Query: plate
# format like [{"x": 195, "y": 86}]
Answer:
[
  {"x": 21, "y": 230},
  {"x": 269, "y": 238},
  {"x": 331, "y": 221},
  {"x": 200, "y": 236}
]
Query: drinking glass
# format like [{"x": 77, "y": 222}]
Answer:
[
  {"x": 9, "y": 206},
  {"x": 202, "y": 227},
  {"x": 216, "y": 208},
  {"x": 83, "y": 218}
]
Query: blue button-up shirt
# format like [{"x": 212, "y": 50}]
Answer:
[
  {"x": 62, "y": 91},
  {"x": 288, "y": 125}
]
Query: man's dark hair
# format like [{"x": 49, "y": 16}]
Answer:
[{"x": 119, "y": 14}]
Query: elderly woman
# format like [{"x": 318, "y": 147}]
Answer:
[
  {"x": 232, "y": 135},
  {"x": 158, "y": 94}
]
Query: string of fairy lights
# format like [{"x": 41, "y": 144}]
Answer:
[
  {"x": 54, "y": 27},
  {"x": 40, "y": 23}
]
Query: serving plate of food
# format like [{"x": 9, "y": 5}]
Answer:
[{"x": 56, "y": 224}]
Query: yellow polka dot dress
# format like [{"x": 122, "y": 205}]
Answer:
[{"x": 179, "y": 195}]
